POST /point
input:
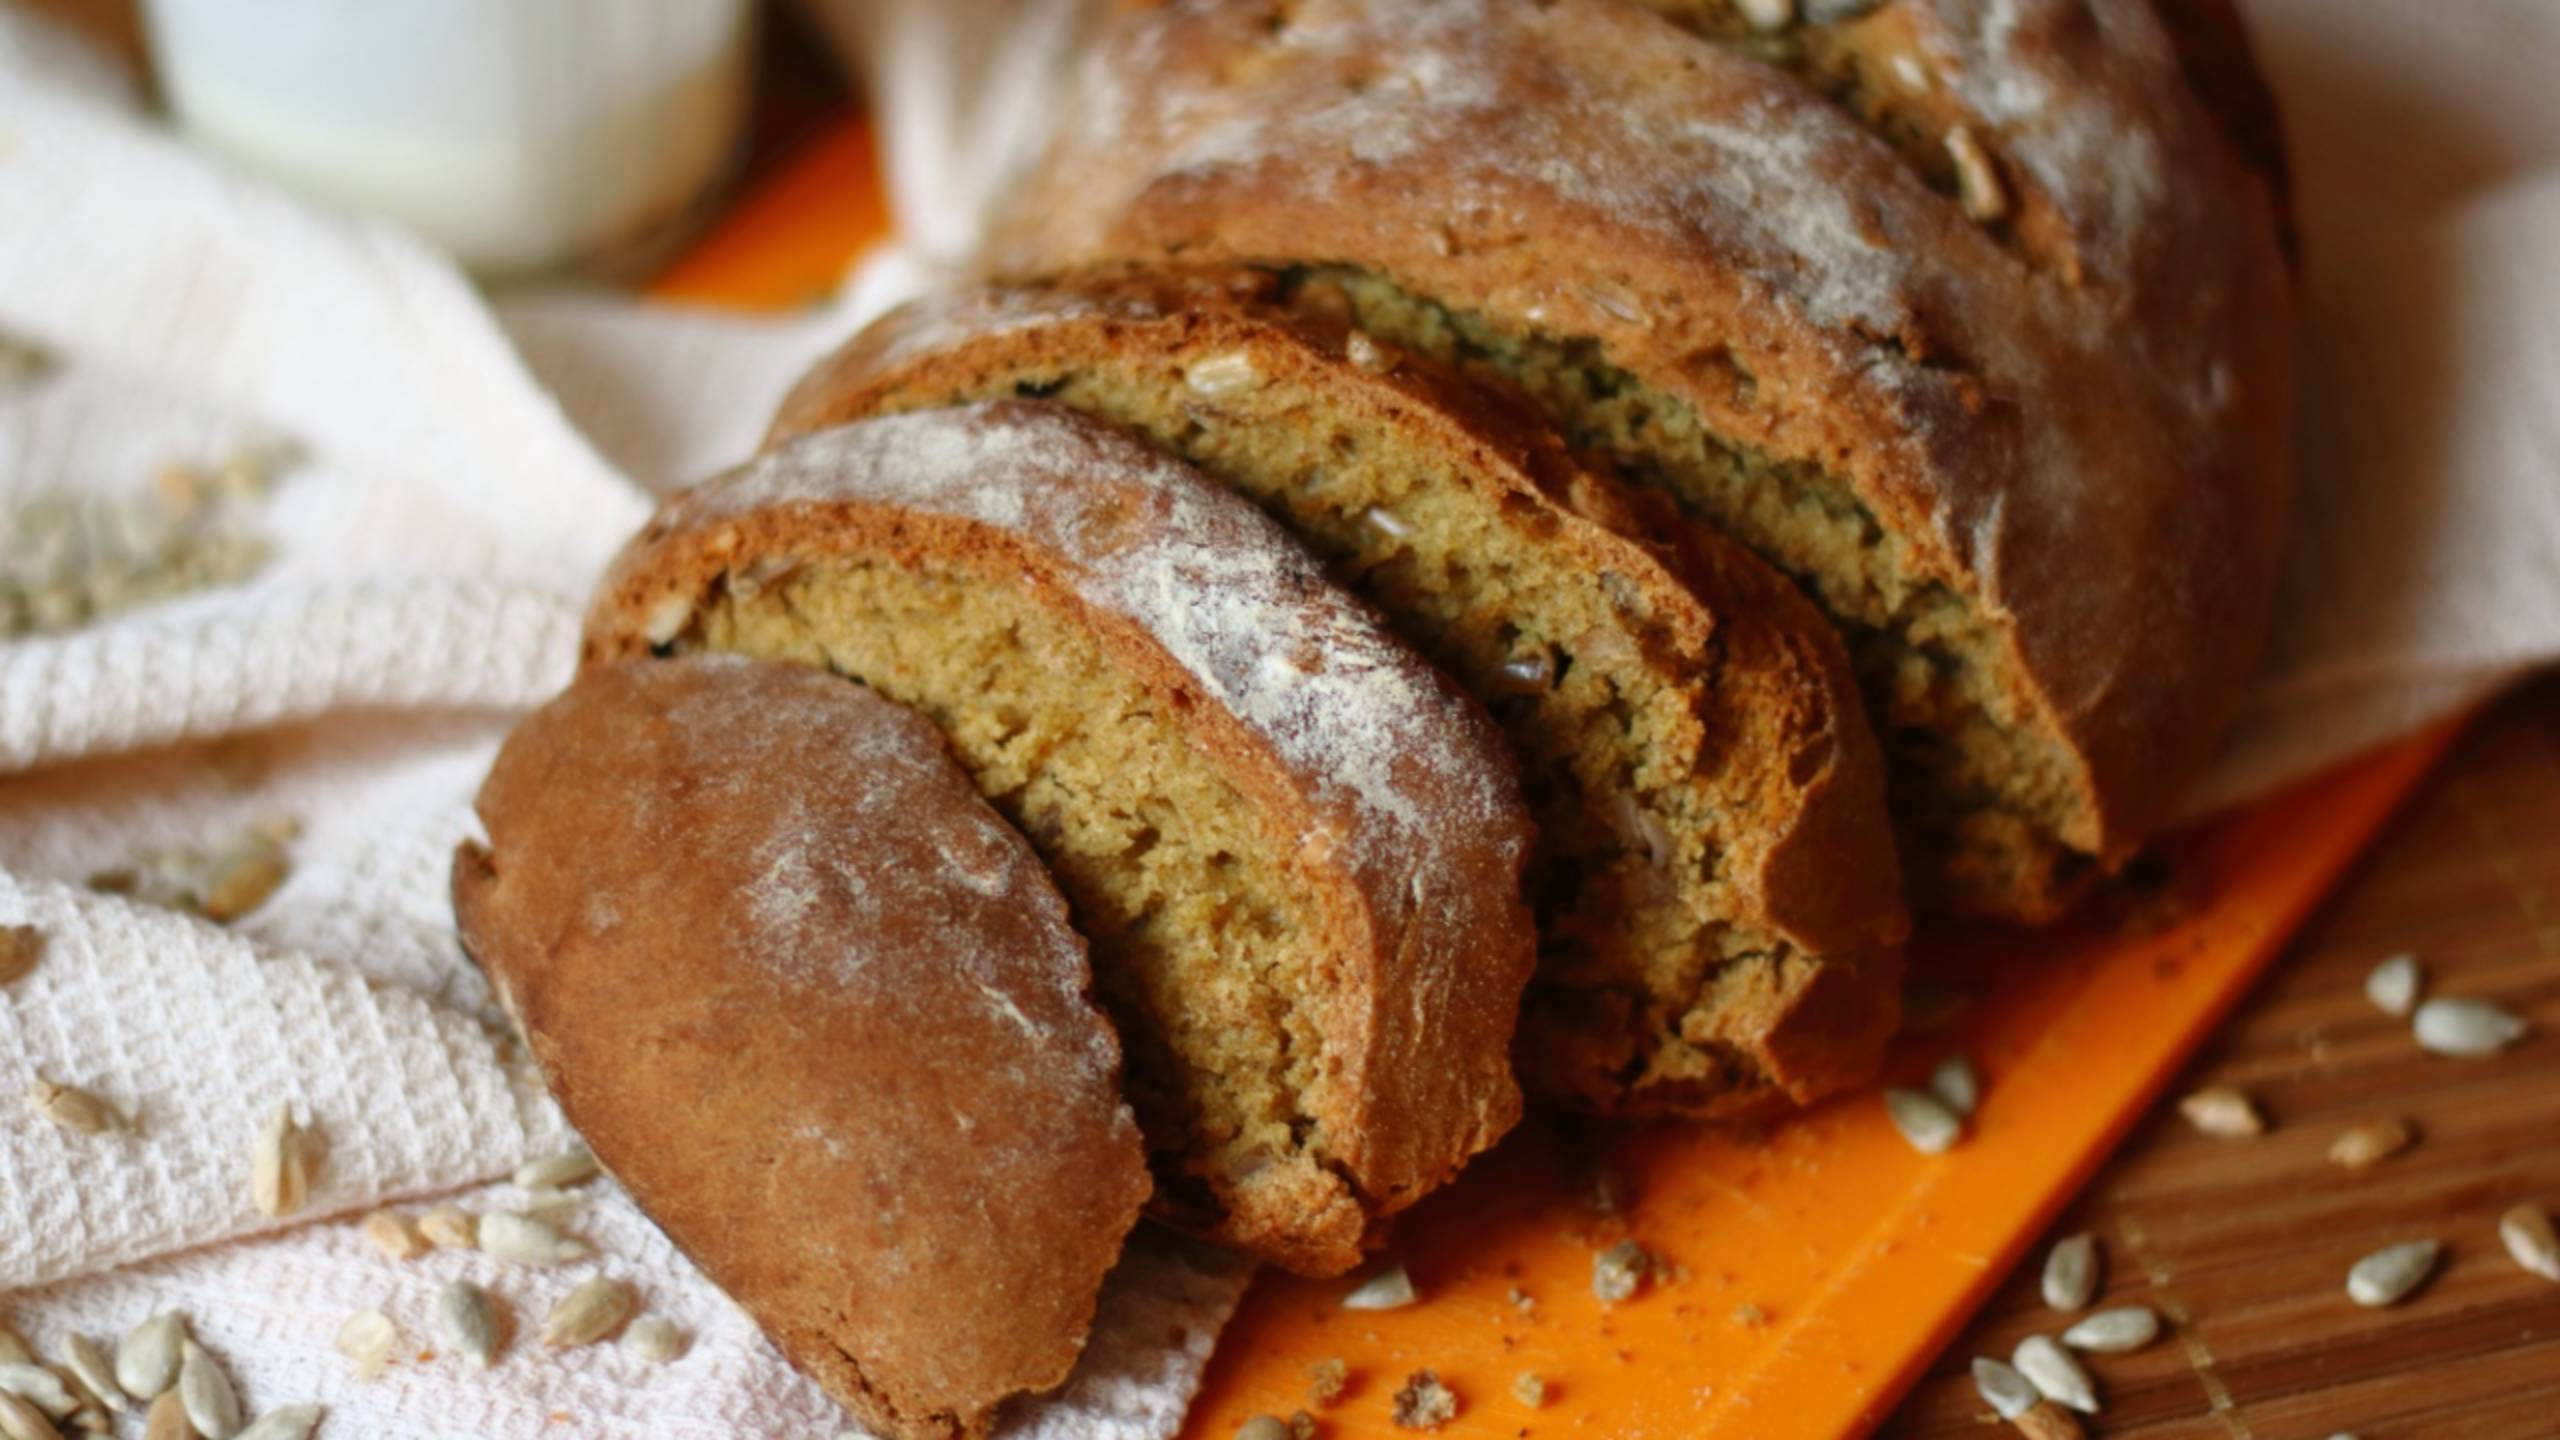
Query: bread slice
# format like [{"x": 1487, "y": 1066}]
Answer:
[
  {"x": 1717, "y": 901},
  {"x": 2011, "y": 409},
  {"x": 1295, "y": 847},
  {"x": 821, "y": 1012}
]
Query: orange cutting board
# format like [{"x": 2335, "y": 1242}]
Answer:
[{"x": 1811, "y": 1271}]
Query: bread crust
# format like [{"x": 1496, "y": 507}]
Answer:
[
  {"x": 821, "y": 1012},
  {"x": 2076, "y": 423},
  {"x": 1409, "y": 855},
  {"x": 1812, "y": 862}
]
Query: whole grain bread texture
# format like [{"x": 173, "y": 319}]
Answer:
[
  {"x": 822, "y": 1013},
  {"x": 1969, "y": 316},
  {"x": 1295, "y": 847},
  {"x": 1718, "y": 906}
]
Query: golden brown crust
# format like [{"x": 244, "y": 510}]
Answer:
[
  {"x": 2082, "y": 440},
  {"x": 821, "y": 1012},
  {"x": 1806, "y": 852},
  {"x": 1387, "y": 791}
]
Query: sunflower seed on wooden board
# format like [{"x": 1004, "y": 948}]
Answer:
[
  {"x": 2008, "y": 1393},
  {"x": 77, "y": 1110},
  {"x": 280, "y": 1166},
  {"x": 2467, "y": 1027},
  {"x": 1389, "y": 1289},
  {"x": 42, "y": 1387},
  {"x": 2114, "y": 1331},
  {"x": 2393, "y": 985},
  {"x": 570, "y": 1167},
  {"x": 285, "y": 1422},
  {"x": 470, "y": 1322},
  {"x": 394, "y": 1234},
  {"x": 367, "y": 1337},
  {"x": 1923, "y": 1120},
  {"x": 2369, "y": 1142},
  {"x": 2070, "y": 1279},
  {"x": 167, "y": 1419},
  {"x": 147, "y": 1358},
  {"x": 21, "y": 946},
  {"x": 2527, "y": 1233},
  {"x": 2053, "y": 1371},
  {"x": 213, "y": 1406},
  {"x": 2048, "y": 1421},
  {"x": 588, "y": 1313},
  {"x": 22, "y": 1421},
  {"x": 1958, "y": 1084},
  {"x": 2394, "y": 1272},
  {"x": 91, "y": 1366},
  {"x": 656, "y": 1339},
  {"x": 523, "y": 1240},
  {"x": 2224, "y": 1112},
  {"x": 450, "y": 1227}
]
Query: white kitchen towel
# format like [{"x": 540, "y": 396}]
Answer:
[{"x": 464, "y": 470}]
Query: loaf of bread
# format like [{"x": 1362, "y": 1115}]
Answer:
[
  {"x": 821, "y": 1012},
  {"x": 1968, "y": 316},
  {"x": 1717, "y": 901},
  {"x": 1295, "y": 847}
]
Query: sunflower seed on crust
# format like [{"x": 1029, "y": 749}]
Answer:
[
  {"x": 213, "y": 1406},
  {"x": 21, "y": 946},
  {"x": 1958, "y": 1084},
  {"x": 2467, "y": 1027},
  {"x": 655, "y": 1338},
  {"x": 280, "y": 1166},
  {"x": 367, "y": 1337},
  {"x": 450, "y": 1227},
  {"x": 22, "y": 1421},
  {"x": 78, "y": 1111},
  {"x": 168, "y": 1419},
  {"x": 1978, "y": 187},
  {"x": 285, "y": 1422},
  {"x": 2526, "y": 1232},
  {"x": 2368, "y": 1142},
  {"x": 2114, "y": 1331},
  {"x": 2008, "y": 1393},
  {"x": 90, "y": 1365},
  {"x": 2394, "y": 1272},
  {"x": 2224, "y": 1112},
  {"x": 2054, "y": 1371},
  {"x": 1925, "y": 1122},
  {"x": 588, "y": 1313},
  {"x": 469, "y": 1319},
  {"x": 2048, "y": 1421},
  {"x": 574, "y": 1166},
  {"x": 147, "y": 1357},
  {"x": 2393, "y": 985},
  {"x": 2070, "y": 1279},
  {"x": 1389, "y": 1289}
]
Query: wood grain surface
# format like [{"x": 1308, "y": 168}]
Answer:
[{"x": 2244, "y": 1244}]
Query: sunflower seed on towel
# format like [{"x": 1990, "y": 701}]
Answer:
[
  {"x": 89, "y": 1364},
  {"x": 2052, "y": 1370},
  {"x": 213, "y": 1406},
  {"x": 2114, "y": 1331},
  {"x": 285, "y": 1422},
  {"x": 280, "y": 1166},
  {"x": 587, "y": 1314},
  {"x": 2070, "y": 1278},
  {"x": 2389, "y": 1275},
  {"x": 147, "y": 1357},
  {"x": 523, "y": 1240},
  {"x": 469, "y": 1319},
  {"x": 40, "y": 1387},
  {"x": 22, "y": 1421},
  {"x": 167, "y": 1419},
  {"x": 368, "y": 1337},
  {"x": 570, "y": 1167},
  {"x": 655, "y": 1338}
]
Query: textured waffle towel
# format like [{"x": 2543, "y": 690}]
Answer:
[{"x": 467, "y": 471}]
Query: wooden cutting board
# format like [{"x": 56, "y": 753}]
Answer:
[{"x": 1806, "y": 1277}]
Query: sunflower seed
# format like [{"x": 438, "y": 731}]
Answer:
[
  {"x": 1926, "y": 1123},
  {"x": 1618, "y": 1272},
  {"x": 470, "y": 1322},
  {"x": 2390, "y": 1274},
  {"x": 2368, "y": 1142},
  {"x": 1957, "y": 1083},
  {"x": 655, "y": 1338},
  {"x": 2048, "y": 1421},
  {"x": 523, "y": 1240},
  {"x": 1767, "y": 15},
  {"x": 547, "y": 1204},
  {"x": 2393, "y": 985},
  {"x": 1366, "y": 353},
  {"x": 2071, "y": 1272},
  {"x": 450, "y": 1227},
  {"x": 40, "y": 1385},
  {"x": 21, "y": 946},
  {"x": 88, "y": 1363},
  {"x": 14, "y": 1351},
  {"x": 587, "y": 1314},
  {"x": 2223, "y": 1112},
  {"x": 1389, "y": 1289},
  {"x": 2114, "y": 1331},
  {"x": 570, "y": 1167},
  {"x": 1262, "y": 1427},
  {"x": 168, "y": 1419},
  {"x": 280, "y": 1168},
  {"x": 1225, "y": 374},
  {"x": 2468, "y": 1027},
  {"x": 394, "y": 1234},
  {"x": 77, "y": 1110},
  {"x": 2003, "y": 1388},
  {"x": 147, "y": 1357},
  {"x": 2526, "y": 1231},
  {"x": 1978, "y": 187},
  {"x": 91, "y": 1420},
  {"x": 2053, "y": 1371},
  {"x": 367, "y": 1338},
  {"x": 213, "y": 1406},
  {"x": 285, "y": 1422},
  {"x": 22, "y": 1421}
]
